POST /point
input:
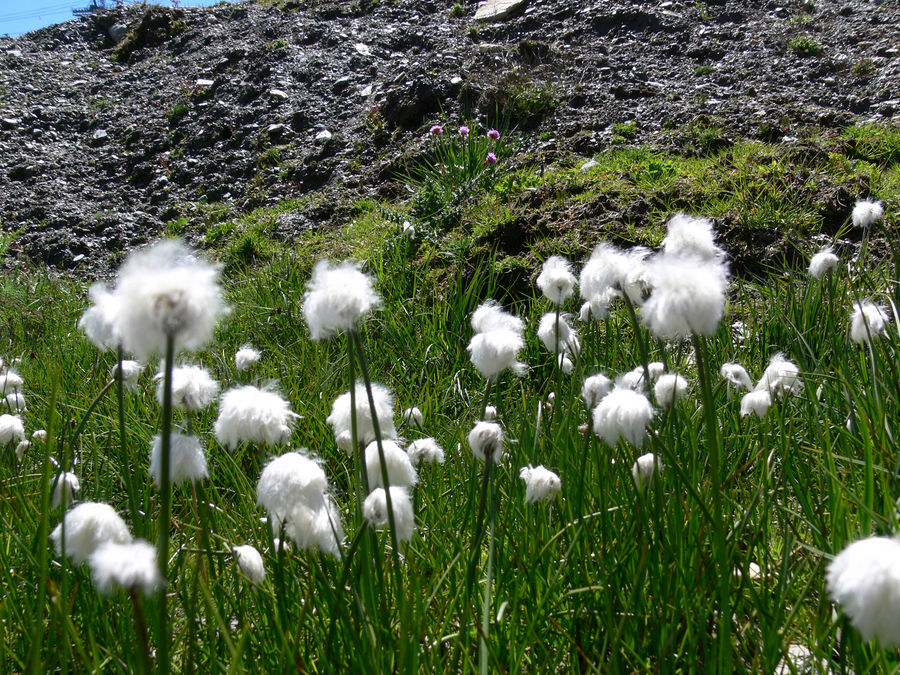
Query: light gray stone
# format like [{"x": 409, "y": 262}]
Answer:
[{"x": 496, "y": 10}]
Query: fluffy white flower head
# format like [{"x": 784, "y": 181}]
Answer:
[
  {"x": 822, "y": 263},
  {"x": 375, "y": 511},
  {"x": 644, "y": 470},
  {"x": 131, "y": 371},
  {"x": 595, "y": 388},
  {"x": 65, "y": 488},
  {"x": 864, "y": 579},
  {"x": 691, "y": 237},
  {"x": 246, "y": 357},
  {"x": 21, "y": 448},
  {"x": 10, "y": 382},
  {"x": 867, "y": 321},
  {"x": 253, "y": 415},
  {"x": 736, "y": 375},
  {"x": 669, "y": 389},
  {"x": 100, "y": 322},
  {"x": 756, "y": 402},
  {"x": 250, "y": 563},
  {"x": 623, "y": 413},
  {"x": 866, "y": 213},
  {"x": 88, "y": 525},
  {"x": 316, "y": 528},
  {"x": 400, "y": 469},
  {"x": 413, "y": 417},
  {"x": 687, "y": 297},
  {"x": 131, "y": 566},
  {"x": 15, "y": 402},
  {"x": 342, "y": 413},
  {"x": 556, "y": 280},
  {"x": 489, "y": 316},
  {"x": 486, "y": 441},
  {"x": 338, "y": 296},
  {"x": 558, "y": 338},
  {"x": 289, "y": 480},
  {"x": 11, "y": 429},
  {"x": 165, "y": 290},
  {"x": 780, "y": 378},
  {"x": 607, "y": 272},
  {"x": 541, "y": 484},
  {"x": 497, "y": 340},
  {"x": 425, "y": 450},
  {"x": 193, "y": 388},
  {"x": 187, "y": 461}
]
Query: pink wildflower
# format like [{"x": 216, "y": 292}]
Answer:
[
  {"x": 491, "y": 158},
  {"x": 436, "y": 130},
  {"x": 464, "y": 131},
  {"x": 494, "y": 135}
]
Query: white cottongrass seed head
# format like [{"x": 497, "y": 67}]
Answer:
[
  {"x": 11, "y": 429},
  {"x": 10, "y": 382},
  {"x": 609, "y": 272},
  {"x": 193, "y": 388},
  {"x": 15, "y": 401},
  {"x": 486, "y": 441},
  {"x": 866, "y": 213},
  {"x": 490, "y": 413},
  {"x": 595, "y": 388},
  {"x": 691, "y": 237},
  {"x": 736, "y": 375},
  {"x": 101, "y": 321},
  {"x": 565, "y": 364},
  {"x": 375, "y": 511},
  {"x": 864, "y": 579},
  {"x": 316, "y": 527},
  {"x": 166, "y": 290},
  {"x": 337, "y": 297},
  {"x": 250, "y": 563},
  {"x": 131, "y": 371},
  {"x": 87, "y": 526},
  {"x": 541, "y": 484},
  {"x": 21, "y": 448},
  {"x": 497, "y": 340},
  {"x": 687, "y": 296},
  {"x": 131, "y": 566},
  {"x": 490, "y": 316},
  {"x": 399, "y": 465},
  {"x": 822, "y": 263},
  {"x": 644, "y": 470},
  {"x": 289, "y": 480},
  {"x": 558, "y": 337},
  {"x": 246, "y": 357},
  {"x": 669, "y": 389},
  {"x": 780, "y": 378},
  {"x": 413, "y": 417},
  {"x": 867, "y": 321},
  {"x": 253, "y": 415},
  {"x": 425, "y": 450},
  {"x": 187, "y": 460},
  {"x": 342, "y": 414},
  {"x": 65, "y": 488},
  {"x": 39, "y": 435},
  {"x": 756, "y": 402},
  {"x": 556, "y": 280},
  {"x": 623, "y": 413}
]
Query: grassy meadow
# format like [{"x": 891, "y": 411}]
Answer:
[{"x": 718, "y": 565}]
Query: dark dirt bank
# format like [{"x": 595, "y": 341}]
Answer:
[{"x": 249, "y": 104}]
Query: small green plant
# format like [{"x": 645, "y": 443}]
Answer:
[
  {"x": 863, "y": 68},
  {"x": 703, "y": 12},
  {"x": 178, "y": 111},
  {"x": 624, "y": 131},
  {"x": 269, "y": 157},
  {"x": 703, "y": 70},
  {"x": 805, "y": 46},
  {"x": 457, "y": 11}
]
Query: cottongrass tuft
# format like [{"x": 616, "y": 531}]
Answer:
[
  {"x": 131, "y": 566},
  {"x": 187, "y": 460},
  {"x": 375, "y": 511},
  {"x": 669, "y": 389},
  {"x": 486, "y": 441},
  {"x": 253, "y": 415},
  {"x": 10, "y": 382},
  {"x": 11, "y": 429},
  {"x": 595, "y": 388},
  {"x": 101, "y": 321},
  {"x": 556, "y": 280},
  {"x": 16, "y": 402},
  {"x": 756, "y": 402},
  {"x": 867, "y": 321},
  {"x": 289, "y": 480},
  {"x": 413, "y": 417},
  {"x": 822, "y": 263},
  {"x": 691, "y": 237},
  {"x": 193, "y": 388},
  {"x": 490, "y": 413},
  {"x": 736, "y": 375},
  {"x": 245, "y": 358},
  {"x": 780, "y": 378},
  {"x": 609, "y": 272},
  {"x": 425, "y": 450},
  {"x": 21, "y": 448},
  {"x": 866, "y": 213},
  {"x": 644, "y": 470},
  {"x": 623, "y": 413},
  {"x": 131, "y": 371},
  {"x": 316, "y": 527},
  {"x": 87, "y": 526},
  {"x": 497, "y": 341},
  {"x": 864, "y": 579},
  {"x": 541, "y": 484},
  {"x": 65, "y": 488},
  {"x": 167, "y": 291},
  {"x": 250, "y": 563},
  {"x": 39, "y": 435},
  {"x": 341, "y": 415},
  {"x": 557, "y": 336},
  {"x": 400, "y": 469},
  {"x": 338, "y": 296}
]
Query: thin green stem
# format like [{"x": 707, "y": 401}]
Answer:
[
  {"x": 127, "y": 474},
  {"x": 165, "y": 505},
  {"x": 140, "y": 624}
]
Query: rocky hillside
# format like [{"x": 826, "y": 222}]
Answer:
[{"x": 113, "y": 125}]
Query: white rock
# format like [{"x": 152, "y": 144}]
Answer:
[
  {"x": 590, "y": 164},
  {"x": 278, "y": 93},
  {"x": 362, "y": 49},
  {"x": 494, "y": 10},
  {"x": 204, "y": 83},
  {"x": 324, "y": 135}
]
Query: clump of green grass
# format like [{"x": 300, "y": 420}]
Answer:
[{"x": 805, "y": 46}]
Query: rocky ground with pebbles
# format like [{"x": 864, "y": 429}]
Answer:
[{"x": 113, "y": 125}]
